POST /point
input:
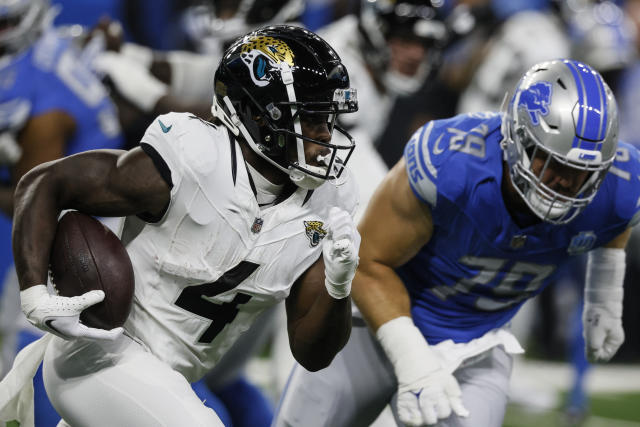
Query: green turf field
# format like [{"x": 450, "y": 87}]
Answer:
[{"x": 606, "y": 410}]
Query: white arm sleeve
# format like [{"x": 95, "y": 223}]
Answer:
[{"x": 605, "y": 277}]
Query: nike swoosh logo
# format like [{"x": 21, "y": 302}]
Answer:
[
  {"x": 164, "y": 128},
  {"x": 48, "y": 325}
]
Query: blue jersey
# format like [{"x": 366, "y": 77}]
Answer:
[
  {"x": 46, "y": 77},
  {"x": 50, "y": 76},
  {"x": 480, "y": 266}
]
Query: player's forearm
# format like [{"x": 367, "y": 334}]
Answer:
[
  {"x": 379, "y": 294},
  {"x": 317, "y": 337},
  {"x": 35, "y": 219}
]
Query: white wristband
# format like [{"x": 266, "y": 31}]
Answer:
[
  {"x": 30, "y": 297},
  {"x": 405, "y": 346},
  {"x": 605, "y": 278},
  {"x": 338, "y": 291}
]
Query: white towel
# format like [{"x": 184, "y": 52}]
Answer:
[{"x": 16, "y": 388}]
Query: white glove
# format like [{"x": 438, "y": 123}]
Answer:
[
  {"x": 426, "y": 392},
  {"x": 340, "y": 252},
  {"x": 61, "y": 315},
  {"x": 603, "y": 295},
  {"x": 131, "y": 79},
  {"x": 603, "y": 332}
]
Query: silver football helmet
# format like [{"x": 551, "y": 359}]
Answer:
[
  {"x": 21, "y": 22},
  {"x": 562, "y": 111}
]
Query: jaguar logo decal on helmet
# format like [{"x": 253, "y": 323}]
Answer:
[
  {"x": 536, "y": 99},
  {"x": 263, "y": 54},
  {"x": 314, "y": 231}
]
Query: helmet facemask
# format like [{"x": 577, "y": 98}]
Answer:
[{"x": 548, "y": 204}]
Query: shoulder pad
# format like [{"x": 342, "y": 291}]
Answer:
[{"x": 439, "y": 154}]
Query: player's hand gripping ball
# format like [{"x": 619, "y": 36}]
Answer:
[{"x": 87, "y": 256}]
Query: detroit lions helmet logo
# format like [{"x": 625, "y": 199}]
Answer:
[
  {"x": 314, "y": 231},
  {"x": 536, "y": 99},
  {"x": 262, "y": 55}
]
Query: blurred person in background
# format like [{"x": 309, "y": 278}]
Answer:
[
  {"x": 513, "y": 35},
  {"x": 473, "y": 221},
  {"x": 392, "y": 48},
  {"x": 51, "y": 105}
]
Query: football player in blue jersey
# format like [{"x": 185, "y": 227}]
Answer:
[
  {"x": 51, "y": 105},
  {"x": 472, "y": 222},
  {"x": 49, "y": 100}
]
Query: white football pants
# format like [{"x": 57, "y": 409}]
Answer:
[
  {"x": 360, "y": 382},
  {"x": 119, "y": 384}
]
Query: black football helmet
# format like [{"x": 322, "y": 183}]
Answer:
[
  {"x": 417, "y": 20},
  {"x": 271, "y": 79}
]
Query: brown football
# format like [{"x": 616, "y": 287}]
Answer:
[{"x": 86, "y": 255}]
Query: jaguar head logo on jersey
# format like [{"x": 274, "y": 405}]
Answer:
[
  {"x": 536, "y": 99},
  {"x": 262, "y": 55},
  {"x": 314, "y": 231}
]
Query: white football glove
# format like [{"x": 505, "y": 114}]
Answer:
[
  {"x": 603, "y": 332},
  {"x": 426, "y": 392},
  {"x": 340, "y": 252},
  {"x": 131, "y": 79},
  {"x": 61, "y": 315},
  {"x": 603, "y": 295}
]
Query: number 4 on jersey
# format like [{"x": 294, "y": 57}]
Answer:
[{"x": 192, "y": 299}]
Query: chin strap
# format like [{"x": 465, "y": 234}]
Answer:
[{"x": 287, "y": 79}]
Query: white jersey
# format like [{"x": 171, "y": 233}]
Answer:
[{"x": 215, "y": 260}]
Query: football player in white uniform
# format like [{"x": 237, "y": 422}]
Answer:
[{"x": 224, "y": 220}]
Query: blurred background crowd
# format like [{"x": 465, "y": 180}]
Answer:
[{"x": 80, "y": 74}]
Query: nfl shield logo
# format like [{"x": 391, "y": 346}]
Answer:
[
  {"x": 257, "y": 225},
  {"x": 582, "y": 242}
]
